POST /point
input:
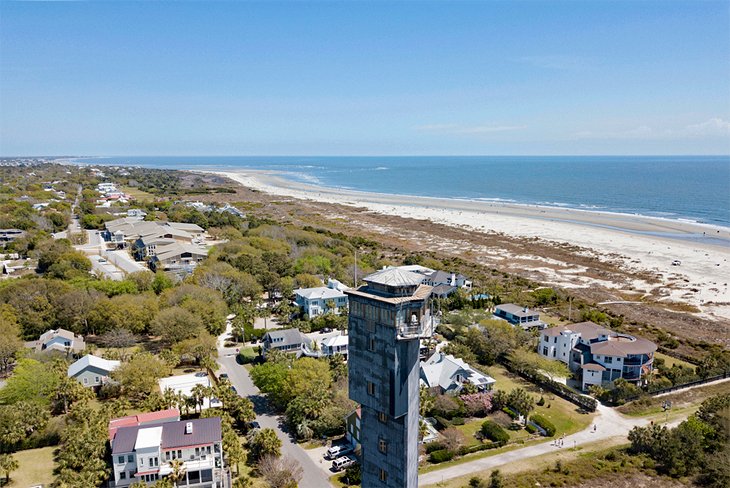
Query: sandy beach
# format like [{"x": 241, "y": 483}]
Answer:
[{"x": 638, "y": 243}]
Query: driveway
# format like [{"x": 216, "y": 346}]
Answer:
[{"x": 314, "y": 476}]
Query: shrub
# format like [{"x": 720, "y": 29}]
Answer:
[
  {"x": 494, "y": 432},
  {"x": 541, "y": 402},
  {"x": 440, "y": 456},
  {"x": 433, "y": 446},
  {"x": 510, "y": 412},
  {"x": 441, "y": 423},
  {"x": 545, "y": 424},
  {"x": 531, "y": 428},
  {"x": 457, "y": 421}
]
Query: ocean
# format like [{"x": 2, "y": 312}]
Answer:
[{"x": 693, "y": 188}]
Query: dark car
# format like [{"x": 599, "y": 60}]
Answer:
[
  {"x": 201, "y": 374},
  {"x": 223, "y": 376},
  {"x": 253, "y": 425},
  {"x": 233, "y": 389}
]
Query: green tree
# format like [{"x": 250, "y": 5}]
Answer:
[
  {"x": 8, "y": 464},
  {"x": 521, "y": 401},
  {"x": 264, "y": 442},
  {"x": 10, "y": 343},
  {"x": 176, "y": 324},
  {"x": 178, "y": 471},
  {"x": 138, "y": 377},
  {"x": 31, "y": 381}
]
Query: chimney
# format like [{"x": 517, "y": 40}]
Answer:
[{"x": 189, "y": 428}]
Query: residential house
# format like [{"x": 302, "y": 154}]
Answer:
[
  {"x": 320, "y": 300},
  {"x": 598, "y": 354},
  {"x": 136, "y": 213},
  {"x": 286, "y": 340},
  {"x": 519, "y": 316},
  {"x": 10, "y": 235},
  {"x": 335, "y": 345},
  {"x": 147, "y": 418},
  {"x": 178, "y": 256},
  {"x": 447, "y": 374},
  {"x": 58, "y": 340},
  {"x": 144, "y": 453},
  {"x": 92, "y": 371},
  {"x": 185, "y": 383}
]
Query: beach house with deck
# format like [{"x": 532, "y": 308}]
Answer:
[{"x": 597, "y": 354}]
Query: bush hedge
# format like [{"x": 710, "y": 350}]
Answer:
[
  {"x": 530, "y": 428},
  {"x": 433, "y": 446},
  {"x": 544, "y": 423},
  {"x": 584, "y": 402},
  {"x": 440, "y": 456},
  {"x": 494, "y": 432},
  {"x": 479, "y": 447},
  {"x": 441, "y": 423},
  {"x": 457, "y": 421},
  {"x": 511, "y": 413}
]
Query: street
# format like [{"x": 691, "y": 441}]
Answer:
[{"x": 238, "y": 375}]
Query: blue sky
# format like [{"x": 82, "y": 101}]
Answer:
[{"x": 365, "y": 78}]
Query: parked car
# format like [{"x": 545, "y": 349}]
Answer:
[
  {"x": 325, "y": 330},
  {"x": 342, "y": 463},
  {"x": 676, "y": 262},
  {"x": 253, "y": 425},
  {"x": 223, "y": 376},
  {"x": 233, "y": 389},
  {"x": 201, "y": 374},
  {"x": 102, "y": 260},
  {"x": 336, "y": 451}
]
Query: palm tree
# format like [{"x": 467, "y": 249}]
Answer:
[
  {"x": 178, "y": 471},
  {"x": 8, "y": 464}
]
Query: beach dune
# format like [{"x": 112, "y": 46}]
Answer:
[{"x": 691, "y": 260}]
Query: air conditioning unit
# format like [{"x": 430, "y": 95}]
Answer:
[{"x": 189, "y": 428}]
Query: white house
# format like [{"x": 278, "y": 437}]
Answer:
[
  {"x": 320, "y": 300},
  {"x": 184, "y": 384},
  {"x": 59, "y": 340},
  {"x": 449, "y": 374},
  {"x": 335, "y": 345},
  {"x": 92, "y": 371},
  {"x": 145, "y": 452},
  {"x": 600, "y": 355}
]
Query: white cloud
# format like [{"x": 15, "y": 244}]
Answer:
[{"x": 713, "y": 127}]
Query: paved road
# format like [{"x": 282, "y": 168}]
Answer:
[
  {"x": 609, "y": 423},
  {"x": 313, "y": 476}
]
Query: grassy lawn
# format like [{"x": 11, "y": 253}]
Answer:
[
  {"x": 248, "y": 354},
  {"x": 578, "y": 462},
  {"x": 686, "y": 400},
  {"x": 35, "y": 467},
  {"x": 560, "y": 412},
  {"x": 137, "y": 194},
  {"x": 669, "y": 361}
]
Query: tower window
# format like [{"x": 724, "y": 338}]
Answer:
[
  {"x": 382, "y": 417},
  {"x": 371, "y": 344},
  {"x": 383, "y": 446},
  {"x": 383, "y": 475},
  {"x": 371, "y": 388}
]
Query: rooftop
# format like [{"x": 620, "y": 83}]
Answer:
[
  {"x": 319, "y": 292},
  {"x": 93, "y": 361},
  {"x": 395, "y": 277},
  {"x": 516, "y": 310}
]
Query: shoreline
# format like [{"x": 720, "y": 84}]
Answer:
[{"x": 636, "y": 242}]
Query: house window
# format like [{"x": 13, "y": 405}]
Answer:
[
  {"x": 122, "y": 475},
  {"x": 546, "y": 338},
  {"x": 555, "y": 340},
  {"x": 383, "y": 475},
  {"x": 608, "y": 359},
  {"x": 371, "y": 388},
  {"x": 141, "y": 461},
  {"x": 167, "y": 456},
  {"x": 544, "y": 351},
  {"x": 120, "y": 459},
  {"x": 207, "y": 449},
  {"x": 130, "y": 458},
  {"x": 383, "y": 446},
  {"x": 179, "y": 453},
  {"x": 152, "y": 462},
  {"x": 96, "y": 379},
  {"x": 86, "y": 381},
  {"x": 382, "y": 417},
  {"x": 131, "y": 475},
  {"x": 554, "y": 352}
]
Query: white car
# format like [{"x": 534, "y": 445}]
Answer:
[
  {"x": 342, "y": 462},
  {"x": 676, "y": 262},
  {"x": 336, "y": 451}
]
